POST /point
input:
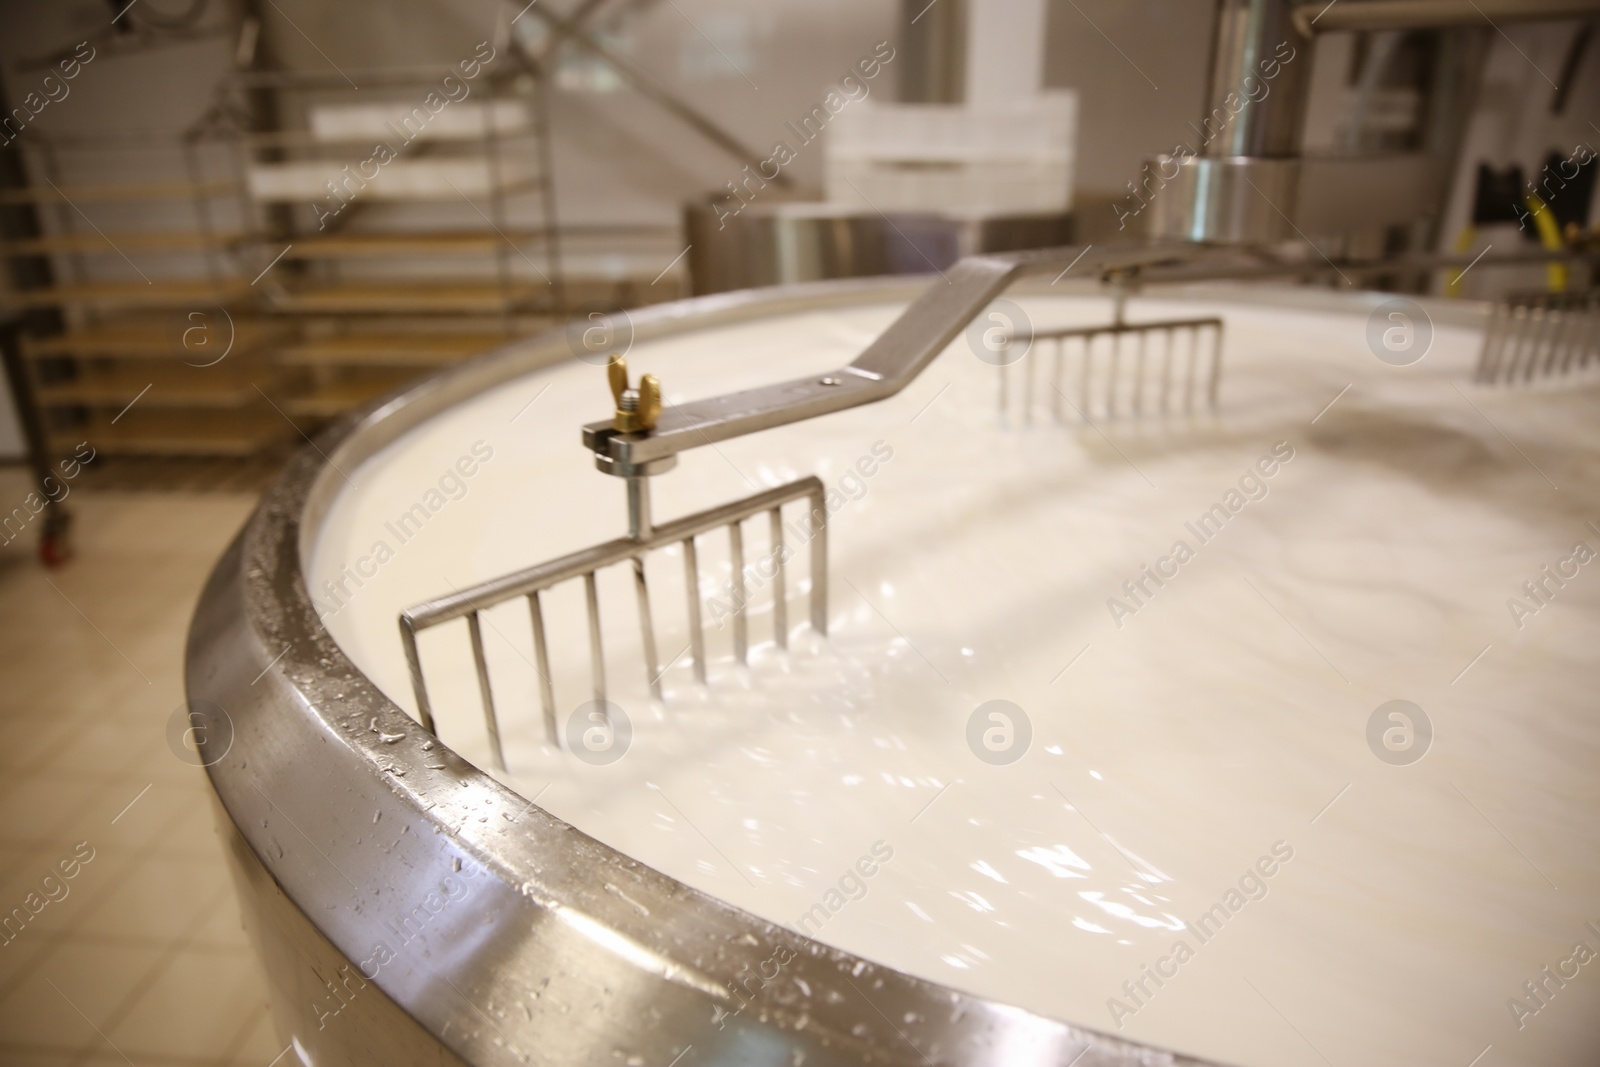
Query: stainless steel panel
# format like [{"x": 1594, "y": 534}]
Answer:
[
  {"x": 1232, "y": 201},
  {"x": 740, "y": 246},
  {"x": 1344, "y": 194}
]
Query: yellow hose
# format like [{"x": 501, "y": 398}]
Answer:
[{"x": 1544, "y": 220}]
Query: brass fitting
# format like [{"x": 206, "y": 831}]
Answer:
[{"x": 636, "y": 409}]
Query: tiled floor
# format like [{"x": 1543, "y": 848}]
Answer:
[{"x": 142, "y": 961}]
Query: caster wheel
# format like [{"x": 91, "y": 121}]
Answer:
[
  {"x": 55, "y": 542},
  {"x": 54, "y": 552}
]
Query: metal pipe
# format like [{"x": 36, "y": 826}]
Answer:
[
  {"x": 639, "y": 507},
  {"x": 1260, "y": 68},
  {"x": 1321, "y": 17},
  {"x": 933, "y": 42},
  {"x": 597, "y": 656}
]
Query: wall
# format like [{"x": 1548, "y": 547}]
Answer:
[
  {"x": 620, "y": 158},
  {"x": 1140, "y": 69},
  {"x": 1138, "y": 65}
]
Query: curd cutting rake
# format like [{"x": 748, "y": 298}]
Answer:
[{"x": 640, "y": 441}]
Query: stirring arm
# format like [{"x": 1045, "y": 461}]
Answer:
[{"x": 883, "y": 369}]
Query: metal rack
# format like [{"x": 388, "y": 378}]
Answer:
[
  {"x": 341, "y": 254},
  {"x": 468, "y": 603},
  {"x": 150, "y": 289},
  {"x": 1536, "y": 335}
]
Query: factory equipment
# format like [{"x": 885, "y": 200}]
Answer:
[{"x": 1071, "y": 667}]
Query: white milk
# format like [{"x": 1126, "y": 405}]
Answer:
[{"x": 1222, "y": 722}]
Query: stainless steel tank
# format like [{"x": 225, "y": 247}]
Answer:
[
  {"x": 410, "y": 909},
  {"x": 413, "y": 909}
]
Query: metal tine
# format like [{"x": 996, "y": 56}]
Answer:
[
  {"x": 1166, "y": 368},
  {"x": 1177, "y": 357},
  {"x": 1552, "y": 319},
  {"x": 541, "y": 662},
  {"x": 1579, "y": 337},
  {"x": 1534, "y": 335},
  {"x": 1488, "y": 344},
  {"x": 1005, "y": 392},
  {"x": 1535, "y": 339},
  {"x": 1138, "y": 377},
  {"x": 1131, "y": 389},
  {"x": 1505, "y": 367},
  {"x": 1521, "y": 327},
  {"x": 741, "y": 634},
  {"x": 1026, "y": 366},
  {"x": 1494, "y": 338},
  {"x": 647, "y": 628},
  {"x": 1083, "y": 376},
  {"x": 818, "y": 520},
  {"x": 1584, "y": 340},
  {"x": 1577, "y": 320},
  {"x": 780, "y": 587},
  {"x": 1115, "y": 338},
  {"x": 1577, "y": 316},
  {"x": 697, "y": 637},
  {"x": 597, "y": 660},
  {"x": 1589, "y": 333},
  {"x": 1591, "y": 330},
  {"x": 1511, "y": 342},
  {"x": 1546, "y": 325},
  {"x": 1215, "y": 330},
  {"x": 1197, "y": 342},
  {"x": 1056, "y": 378},
  {"x": 1558, "y": 336},
  {"x": 1483, "y": 353},
  {"x": 408, "y": 640},
  {"x": 1564, "y": 336},
  {"x": 1185, "y": 337},
  {"x": 1536, "y": 344},
  {"x": 1592, "y": 345},
  {"x": 1558, "y": 326},
  {"x": 587, "y": 563},
  {"x": 476, "y": 630},
  {"x": 1558, "y": 333},
  {"x": 1592, "y": 342},
  {"x": 1192, "y": 373}
]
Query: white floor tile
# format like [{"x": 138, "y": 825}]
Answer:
[
  {"x": 82, "y": 732},
  {"x": 215, "y": 994}
]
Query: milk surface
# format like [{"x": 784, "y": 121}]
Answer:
[{"x": 1197, "y": 846}]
